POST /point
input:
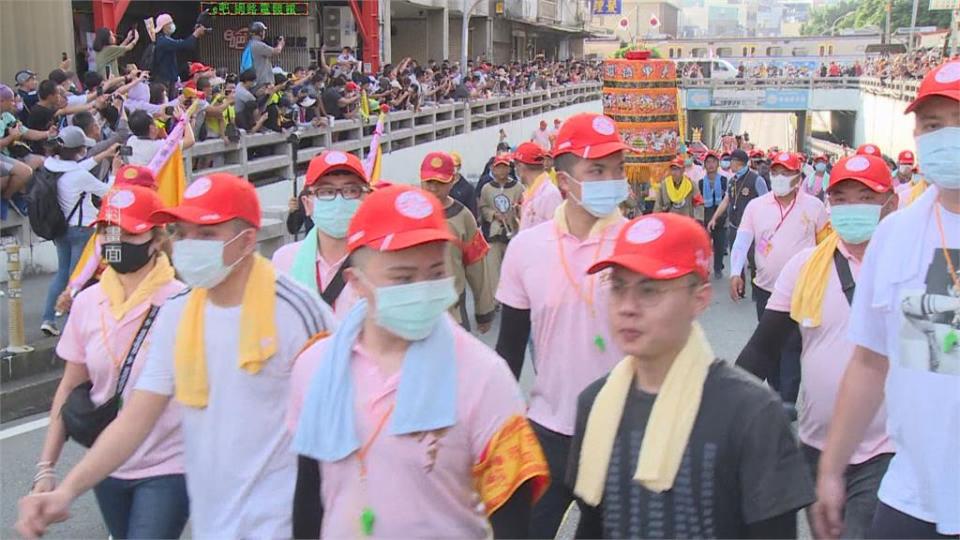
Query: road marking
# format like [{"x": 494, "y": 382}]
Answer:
[{"x": 24, "y": 428}]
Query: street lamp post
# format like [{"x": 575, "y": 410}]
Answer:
[{"x": 465, "y": 32}]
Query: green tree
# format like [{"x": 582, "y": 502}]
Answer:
[{"x": 872, "y": 13}]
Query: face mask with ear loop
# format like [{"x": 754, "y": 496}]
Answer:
[
  {"x": 601, "y": 197},
  {"x": 200, "y": 262}
]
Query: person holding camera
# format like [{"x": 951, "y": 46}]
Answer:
[
  {"x": 166, "y": 68},
  {"x": 107, "y": 336},
  {"x": 262, "y": 53}
]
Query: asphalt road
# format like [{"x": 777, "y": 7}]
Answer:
[{"x": 728, "y": 326}]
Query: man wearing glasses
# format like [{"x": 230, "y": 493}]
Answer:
[{"x": 336, "y": 184}]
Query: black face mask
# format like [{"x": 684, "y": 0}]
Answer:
[{"x": 125, "y": 257}]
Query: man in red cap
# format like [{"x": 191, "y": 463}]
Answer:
[
  {"x": 335, "y": 186},
  {"x": 540, "y": 197},
  {"x": 677, "y": 192},
  {"x": 778, "y": 224},
  {"x": 860, "y": 195},
  {"x": 499, "y": 216},
  {"x": 546, "y": 296},
  {"x": 198, "y": 70},
  {"x": 906, "y": 167},
  {"x": 224, "y": 350},
  {"x": 411, "y": 419},
  {"x": 869, "y": 149},
  {"x": 467, "y": 253},
  {"x": 816, "y": 183},
  {"x": 904, "y": 328},
  {"x": 713, "y": 187},
  {"x": 674, "y": 442}
]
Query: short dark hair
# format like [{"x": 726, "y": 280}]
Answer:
[
  {"x": 91, "y": 80},
  {"x": 101, "y": 39},
  {"x": 202, "y": 83},
  {"x": 83, "y": 120},
  {"x": 70, "y": 154},
  {"x": 156, "y": 93},
  {"x": 46, "y": 89},
  {"x": 139, "y": 123},
  {"x": 566, "y": 162},
  {"x": 111, "y": 115},
  {"x": 248, "y": 75},
  {"x": 58, "y": 76}
]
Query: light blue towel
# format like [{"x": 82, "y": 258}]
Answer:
[{"x": 426, "y": 397}]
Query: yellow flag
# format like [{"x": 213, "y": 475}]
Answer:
[{"x": 171, "y": 179}]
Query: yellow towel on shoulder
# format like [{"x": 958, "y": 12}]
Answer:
[
  {"x": 806, "y": 304},
  {"x": 668, "y": 429},
  {"x": 257, "y": 334},
  {"x": 678, "y": 193},
  {"x": 161, "y": 274},
  {"x": 916, "y": 191}
]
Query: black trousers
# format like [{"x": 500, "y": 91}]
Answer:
[
  {"x": 891, "y": 523},
  {"x": 548, "y": 512},
  {"x": 718, "y": 238},
  {"x": 788, "y": 383}
]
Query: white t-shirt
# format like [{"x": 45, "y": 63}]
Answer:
[
  {"x": 240, "y": 468},
  {"x": 923, "y": 383},
  {"x": 76, "y": 181},
  {"x": 143, "y": 150}
]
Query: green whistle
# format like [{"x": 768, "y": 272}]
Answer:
[
  {"x": 949, "y": 341},
  {"x": 366, "y": 521},
  {"x": 600, "y": 343}
]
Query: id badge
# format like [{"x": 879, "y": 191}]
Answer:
[{"x": 764, "y": 245}]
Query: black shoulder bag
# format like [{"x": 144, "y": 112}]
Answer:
[
  {"x": 83, "y": 420},
  {"x": 846, "y": 277},
  {"x": 335, "y": 287}
]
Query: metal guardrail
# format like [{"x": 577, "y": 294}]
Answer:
[
  {"x": 267, "y": 158},
  {"x": 902, "y": 89}
]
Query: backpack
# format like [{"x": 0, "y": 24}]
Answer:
[
  {"x": 246, "y": 59},
  {"x": 46, "y": 217}
]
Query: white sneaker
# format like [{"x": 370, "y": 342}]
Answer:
[{"x": 49, "y": 328}]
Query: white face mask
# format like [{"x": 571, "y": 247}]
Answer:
[
  {"x": 781, "y": 184},
  {"x": 602, "y": 197},
  {"x": 939, "y": 156},
  {"x": 200, "y": 262}
]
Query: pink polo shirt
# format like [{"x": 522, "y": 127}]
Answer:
[
  {"x": 541, "y": 205},
  {"x": 568, "y": 313},
  {"x": 92, "y": 337},
  {"x": 283, "y": 260},
  {"x": 780, "y": 232},
  {"x": 826, "y": 353},
  {"x": 421, "y": 485}
]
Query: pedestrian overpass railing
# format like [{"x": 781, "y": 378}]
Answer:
[{"x": 901, "y": 89}]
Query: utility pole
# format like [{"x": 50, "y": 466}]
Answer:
[
  {"x": 913, "y": 23},
  {"x": 886, "y": 32}
]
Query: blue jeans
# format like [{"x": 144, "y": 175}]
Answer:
[
  {"x": 152, "y": 507},
  {"x": 69, "y": 248}
]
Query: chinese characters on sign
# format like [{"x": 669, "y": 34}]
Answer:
[
  {"x": 607, "y": 7},
  {"x": 763, "y": 100},
  {"x": 256, "y": 8}
]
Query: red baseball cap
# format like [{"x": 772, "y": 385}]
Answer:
[
  {"x": 755, "y": 153},
  {"x": 395, "y": 218},
  {"x": 437, "y": 166},
  {"x": 589, "y": 136},
  {"x": 130, "y": 207},
  {"x": 711, "y": 154},
  {"x": 215, "y": 198},
  {"x": 136, "y": 175},
  {"x": 351, "y": 86},
  {"x": 661, "y": 246},
  {"x": 334, "y": 160},
  {"x": 678, "y": 161},
  {"x": 787, "y": 159},
  {"x": 871, "y": 171},
  {"x": 944, "y": 80},
  {"x": 906, "y": 158},
  {"x": 869, "y": 149},
  {"x": 821, "y": 157},
  {"x": 199, "y": 67},
  {"x": 501, "y": 159},
  {"x": 530, "y": 153}
]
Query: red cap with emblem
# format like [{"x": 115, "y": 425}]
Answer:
[
  {"x": 789, "y": 160},
  {"x": 199, "y": 67},
  {"x": 502, "y": 159},
  {"x": 334, "y": 160},
  {"x": 395, "y": 218},
  {"x": 589, "y": 136},
  {"x": 943, "y": 81},
  {"x": 130, "y": 207},
  {"x": 661, "y": 246},
  {"x": 136, "y": 175},
  {"x": 711, "y": 154},
  {"x": 437, "y": 166},
  {"x": 869, "y": 149},
  {"x": 215, "y": 198},
  {"x": 906, "y": 158},
  {"x": 871, "y": 171},
  {"x": 530, "y": 153},
  {"x": 678, "y": 161},
  {"x": 822, "y": 157}
]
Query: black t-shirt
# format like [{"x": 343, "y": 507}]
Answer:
[
  {"x": 331, "y": 102},
  {"x": 29, "y": 100},
  {"x": 41, "y": 118},
  {"x": 741, "y": 466}
]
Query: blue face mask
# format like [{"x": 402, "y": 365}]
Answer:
[
  {"x": 333, "y": 217},
  {"x": 412, "y": 310},
  {"x": 725, "y": 164},
  {"x": 820, "y": 166},
  {"x": 602, "y": 197},
  {"x": 743, "y": 171},
  {"x": 855, "y": 223},
  {"x": 939, "y": 156}
]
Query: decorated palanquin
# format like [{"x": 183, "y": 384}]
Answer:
[{"x": 641, "y": 96}]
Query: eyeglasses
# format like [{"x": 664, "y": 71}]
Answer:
[
  {"x": 348, "y": 193},
  {"x": 647, "y": 294}
]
